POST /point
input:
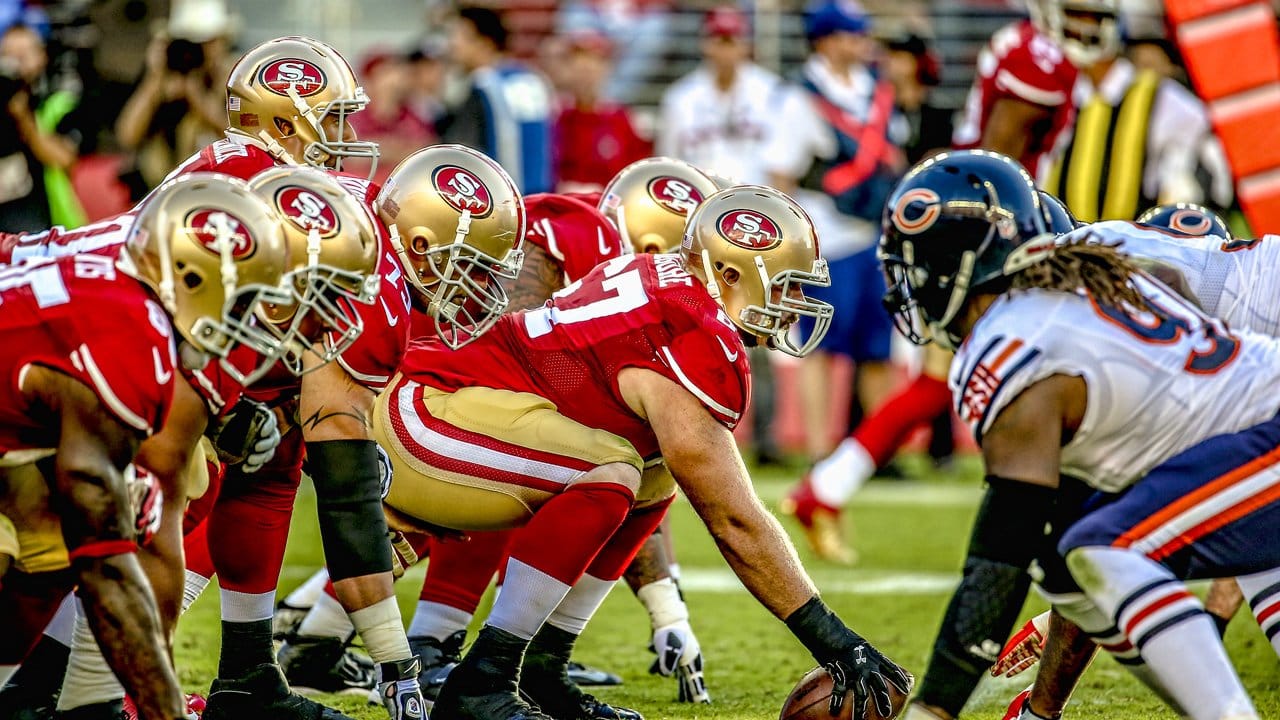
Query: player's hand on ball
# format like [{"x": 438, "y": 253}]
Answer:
[
  {"x": 1023, "y": 649},
  {"x": 680, "y": 654},
  {"x": 247, "y": 434},
  {"x": 872, "y": 677}
]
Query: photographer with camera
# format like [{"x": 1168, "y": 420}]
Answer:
[
  {"x": 180, "y": 104},
  {"x": 36, "y": 149}
]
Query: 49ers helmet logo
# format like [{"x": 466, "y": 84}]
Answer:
[
  {"x": 304, "y": 77},
  {"x": 307, "y": 211},
  {"x": 674, "y": 194},
  {"x": 462, "y": 190},
  {"x": 917, "y": 210},
  {"x": 209, "y": 225},
  {"x": 749, "y": 229}
]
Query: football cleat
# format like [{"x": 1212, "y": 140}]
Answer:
[
  {"x": 821, "y": 523},
  {"x": 263, "y": 693},
  {"x": 483, "y": 686},
  {"x": 438, "y": 659},
  {"x": 325, "y": 665},
  {"x": 398, "y": 689},
  {"x": 584, "y": 676},
  {"x": 194, "y": 701},
  {"x": 286, "y": 620}
]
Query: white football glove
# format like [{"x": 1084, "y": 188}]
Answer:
[
  {"x": 1023, "y": 649},
  {"x": 264, "y": 445},
  {"x": 146, "y": 499},
  {"x": 403, "y": 556},
  {"x": 679, "y": 654}
]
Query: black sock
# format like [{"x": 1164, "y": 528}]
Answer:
[
  {"x": 245, "y": 645},
  {"x": 1221, "y": 623},
  {"x": 110, "y": 710},
  {"x": 39, "y": 679}
]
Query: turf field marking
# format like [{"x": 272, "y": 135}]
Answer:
[{"x": 850, "y": 582}]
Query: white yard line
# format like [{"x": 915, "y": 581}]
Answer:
[{"x": 850, "y": 582}]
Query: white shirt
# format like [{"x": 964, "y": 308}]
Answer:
[
  {"x": 800, "y": 135},
  {"x": 1147, "y": 399},
  {"x": 1178, "y": 129},
  {"x": 723, "y": 132}
]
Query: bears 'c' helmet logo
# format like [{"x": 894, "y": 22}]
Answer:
[
  {"x": 1191, "y": 222},
  {"x": 749, "y": 229},
  {"x": 307, "y": 211},
  {"x": 462, "y": 190},
  {"x": 917, "y": 210},
  {"x": 208, "y": 225},
  {"x": 674, "y": 195},
  {"x": 304, "y": 77}
]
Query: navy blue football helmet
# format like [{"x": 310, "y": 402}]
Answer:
[
  {"x": 958, "y": 223},
  {"x": 1061, "y": 221},
  {"x": 1186, "y": 219}
]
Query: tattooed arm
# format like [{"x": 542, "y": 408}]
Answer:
[{"x": 540, "y": 276}]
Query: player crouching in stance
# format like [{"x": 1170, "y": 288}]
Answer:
[
  {"x": 90, "y": 345},
  {"x": 545, "y": 423},
  {"x": 1075, "y": 363}
]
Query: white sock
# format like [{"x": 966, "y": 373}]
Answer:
[
  {"x": 63, "y": 625},
  {"x": 247, "y": 607},
  {"x": 192, "y": 588},
  {"x": 583, "y": 599},
  {"x": 6, "y": 672},
  {"x": 673, "y": 569},
  {"x": 662, "y": 599},
  {"x": 327, "y": 618},
  {"x": 437, "y": 620},
  {"x": 1162, "y": 620},
  {"x": 838, "y": 476},
  {"x": 528, "y": 599},
  {"x": 89, "y": 679},
  {"x": 381, "y": 629},
  {"x": 309, "y": 592},
  {"x": 1262, "y": 591}
]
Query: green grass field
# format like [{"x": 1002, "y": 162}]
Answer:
[{"x": 911, "y": 536}]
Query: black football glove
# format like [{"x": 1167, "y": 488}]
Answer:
[
  {"x": 247, "y": 434},
  {"x": 869, "y": 673}
]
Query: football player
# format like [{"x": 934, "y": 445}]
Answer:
[
  {"x": 204, "y": 258},
  {"x": 1158, "y": 407},
  {"x": 649, "y": 201},
  {"x": 1019, "y": 104},
  {"x": 544, "y": 424},
  {"x": 1186, "y": 219}
]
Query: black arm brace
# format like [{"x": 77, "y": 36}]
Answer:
[
  {"x": 823, "y": 634},
  {"x": 1007, "y": 535},
  {"x": 349, "y": 503}
]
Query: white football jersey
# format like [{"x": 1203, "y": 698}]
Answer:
[
  {"x": 1157, "y": 384},
  {"x": 1236, "y": 280}
]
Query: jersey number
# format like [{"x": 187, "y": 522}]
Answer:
[
  {"x": 1168, "y": 321},
  {"x": 45, "y": 279},
  {"x": 623, "y": 292}
]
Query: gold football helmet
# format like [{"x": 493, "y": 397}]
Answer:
[
  {"x": 215, "y": 255},
  {"x": 334, "y": 249},
  {"x": 650, "y": 200},
  {"x": 297, "y": 87},
  {"x": 457, "y": 223},
  {"x": 756, "y": 251}
]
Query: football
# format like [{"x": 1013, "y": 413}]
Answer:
[{"x": 811, "y": 700}]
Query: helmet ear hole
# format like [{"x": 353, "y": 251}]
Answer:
[
  {"x": 192, "y": 280},
  {"x": 420, "y": 242},
  {"x": 283, "y": 127},
  {"x": 730, "y": 275}
]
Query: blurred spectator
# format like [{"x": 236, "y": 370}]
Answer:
[
  {"x": 180, "y": 103},
  {"x": 387, "y": 119},
  {"x": 426, "y": 70},
  {"x": 640, "y": 29},
  {"x": 36, "y": 147},
  {"x": 717, "y": 116},
  {"x": 831, "y": 148},
  {"x": 593, "y": 139},
  {"x": 507, "y": 110},
  {"x": 1137, "y": 137},
  {"x": 914, "y": 70}
]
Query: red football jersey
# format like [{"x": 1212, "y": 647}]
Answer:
[
  {"x": 83, "y": 317},
  {"x": 229, "y": 156},
  {"x": 576, "y": 234},
  {"x": 103, "y": 238},
  {"x": 641, "y": 311},
  {"x": 1021, "y": 63}
]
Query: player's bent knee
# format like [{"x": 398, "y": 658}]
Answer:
[{"x": 615, "y": 473}]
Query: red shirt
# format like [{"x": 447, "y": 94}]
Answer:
[
  {"x": 86, "y": 319},
  {"x": 641, "y": 311},
  {"x": 1023, "y": 64},
  {"x": 572, "y": 232},
  {"x": 591, "y": 146}
]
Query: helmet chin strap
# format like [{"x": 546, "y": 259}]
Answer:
[
  {"x": 622, "y": 228},
  {"x": 275, "y": 149},
  {"x": 708, "y": 269}
]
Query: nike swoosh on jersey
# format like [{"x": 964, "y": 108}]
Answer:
[
  {"x": 392, "y": 320},
  {"x": 162, "y": 376},
  {"x": 733, "y": 356},
  {"x": 604, "y": 247}
]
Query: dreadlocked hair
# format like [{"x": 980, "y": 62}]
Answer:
[{"x": 1102, "y": 271}]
